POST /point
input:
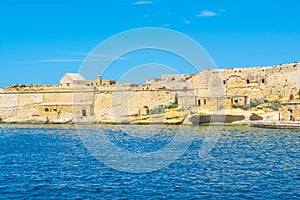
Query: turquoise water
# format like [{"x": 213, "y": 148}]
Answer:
[{"x": 244, "y": 163}]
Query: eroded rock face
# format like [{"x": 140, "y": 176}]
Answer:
[{"x": 255, "y": 117}]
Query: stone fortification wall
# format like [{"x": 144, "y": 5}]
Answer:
[
  {"x": 275, "y": 82},
  {"x": 51, "y": 101},
  {"x": 280, "y": 82},
  {"x": 262, "y": 82},
  {"x": 181, "y": 86},
  {"x": 125, "y": 100},
  {"x": 19, "y": 104}
]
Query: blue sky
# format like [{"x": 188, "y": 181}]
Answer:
[{"x": 40, "y": 40}]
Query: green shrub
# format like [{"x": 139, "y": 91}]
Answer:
[
  {"x": 236, "y": 106},
  {"x": 161, "y": 108},
  {"x": 246, "y": 107},
  {"x": 172, "y": 105},
  {"x": 157, "y": 110},
  {"x": 274, "y": 106}
]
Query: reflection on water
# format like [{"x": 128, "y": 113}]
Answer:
[{"x": 51, "y": 162}]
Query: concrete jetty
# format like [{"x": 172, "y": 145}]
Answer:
[{"x": 276, "y": 124}]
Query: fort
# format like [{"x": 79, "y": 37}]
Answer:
[{"x": 236, "y": 95}]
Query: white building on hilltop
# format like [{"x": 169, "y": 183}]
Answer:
[{"x": 72, "y": 79}]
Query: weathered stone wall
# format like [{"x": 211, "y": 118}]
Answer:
[
  {"x": 213, "y": 103},
  {"x": 294, "y": 107},
  {"x": 19, "y": 104},
  {"x": 125, "y": 100},
  {"x": 278, "y": 82},
  {"x": 46, "y": 101},
  {"x": 274, "y": 83}
]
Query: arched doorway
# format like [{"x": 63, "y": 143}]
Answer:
[{"x": 144, "y": 111}]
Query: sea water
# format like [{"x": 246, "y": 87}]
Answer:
[{"x": 53, "y": 161}]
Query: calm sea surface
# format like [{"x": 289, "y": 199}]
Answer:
[{"x": 244, "y": 163}]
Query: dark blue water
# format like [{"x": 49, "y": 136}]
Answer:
[{"x": 245, "y": 163}]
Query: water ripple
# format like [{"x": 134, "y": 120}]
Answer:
[{"x": 246, "y": 163}]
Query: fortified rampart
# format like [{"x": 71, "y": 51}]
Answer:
[
  {"x": 127, "y": 100},
  {"x": 209, "y": 90},
  {"x": 223, "y": 87},
  {"x": 277, "y": 82}
]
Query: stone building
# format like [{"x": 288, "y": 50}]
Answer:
[
  {"x": 213, "y": 103},
  {"x": 99, "y": 82},
  {"x": 290, "y": 111},
  {"x": 71, "y": 80}
]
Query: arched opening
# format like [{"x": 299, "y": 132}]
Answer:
[
  {"x": 224, "y": 82},
  {"x": 290, "y": 114},
  {"x": 291, "y": 97},
  {"x": 263, "y": 80},
  {"x": 199, "y": 102},
  {"x": 46, "y": 109},
  {"x": 176, "y": 98},
  {"x": 248, "y": 81},
  {"x": 83, "y": 112},
  {"x": 144, "y": 111}
]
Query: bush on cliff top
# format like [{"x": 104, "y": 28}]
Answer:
[{"x": 161, "y": 108}]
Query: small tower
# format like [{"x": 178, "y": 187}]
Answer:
[{"x": 99, "y": 80}]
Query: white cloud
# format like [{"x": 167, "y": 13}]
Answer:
[
  {"x": 165, "y": 25},
  {"x": 43, "y": 61},
  {"x": 150, "y": 15},
  {"x": 60, "y": 60},
  {"x": 142, "y": 2},
  {"x": 187, "y": 22},
  {"x": 92, "y": 58},
  {"x": 103, "y": 57},
  {"x": 207, "y": 13},
  {"x": 19, "y": 62},
  {"x": 74, "y": 53}
]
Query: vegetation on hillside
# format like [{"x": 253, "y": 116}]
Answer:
[
  {"x": 259, "y": 104},
  {"x": 162, "y": 108}
]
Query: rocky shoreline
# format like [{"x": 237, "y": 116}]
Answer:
[{"x": 172, "y": 117}]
